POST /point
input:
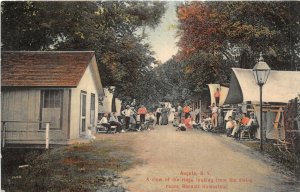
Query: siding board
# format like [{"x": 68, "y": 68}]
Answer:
[
  {"x": 24, "y": 105},
  {"x": 65, "y": 113}
]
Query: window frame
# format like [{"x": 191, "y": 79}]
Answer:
[
  {"x": 93, "y": 101},
  {"x": 42, "y": 106}
]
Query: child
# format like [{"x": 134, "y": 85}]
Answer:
[{"x": 89, "y": 134}]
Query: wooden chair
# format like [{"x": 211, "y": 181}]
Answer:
[{"x": 245, "y": 133}]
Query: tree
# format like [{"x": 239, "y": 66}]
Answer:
[
  {"x": 109, "y": 28},
  {"x": 268, "y": 27}
]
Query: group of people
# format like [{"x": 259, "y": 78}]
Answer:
[
  {"x": 185, "y": 119},
  {"x": 234, "y": 127},
  {"x": 191, "y": 119},
  {"x": 209, "y": 122},
  {"x": 181, "y": 118},
  {"x": 130, "y": 119},
  {"x": 164, "y": 114},
  {"x": 131, "y": 116},
  {"x": 112, "y": 121}
]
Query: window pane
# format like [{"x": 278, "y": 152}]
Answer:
[
  {"x": 92, "y": 101},
  {"x": 51, "y": 105},
  {"x": 57, "y": 99},
  {"x": 83, "y": 105},
  {"x": 51, "y": 108},
  {"x": 46, "y": 99},
  {"x": 92, "y": 109},
  {"x": 52, "y": 98},
  {"x": 83, "y": 125}
]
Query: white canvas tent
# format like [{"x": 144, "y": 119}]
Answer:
[
  {"x": 223, "y": 93},
  {"x": 280, "y": 87},
  {"x": 106, "y": 106},
  {"x": 118, "y": 106}
]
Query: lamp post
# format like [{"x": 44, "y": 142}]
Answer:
[{"x": 261, "y": 73}]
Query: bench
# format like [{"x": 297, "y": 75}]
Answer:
[{"x": 103, "y": 129}]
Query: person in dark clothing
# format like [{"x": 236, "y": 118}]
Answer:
[
  {"x": 127, "y": 113},
  {"x": 158, "y": 114},
  {"x": 113, "y": 121}
]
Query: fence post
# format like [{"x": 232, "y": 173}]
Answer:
[{"x": 47, "y": 135}]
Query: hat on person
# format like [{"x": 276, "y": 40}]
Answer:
[{"x": 127, "y": 106}]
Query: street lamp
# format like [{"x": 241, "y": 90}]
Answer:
[{"x": 261, "y": 73}]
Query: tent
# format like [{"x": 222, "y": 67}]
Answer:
[
  {"x": 223, "y": 93},
  {"x": 280, "y": 87},
  {"x": 118, "y": 106},
  {"x": 106, "y": 106}
]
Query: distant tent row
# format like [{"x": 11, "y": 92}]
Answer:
[
  {"x": 108, "y": 103},
  {"x": 280, "y": 87}
]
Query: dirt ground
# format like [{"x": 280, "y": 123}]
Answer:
[
  {"x": 160, "y": 160},
  {"x": 199, "y": 161}
]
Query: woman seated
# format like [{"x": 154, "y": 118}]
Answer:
[
  {"x": 188, "y": 122},
  {"x": 229, "y": 126},
  {"x": 149, "y": 121},
  {"x": 181, "y": 126},
  {"x": 205, "y": 123},
  {"x": 240, "y": 125},
  {"x": 195, "y": 124},
  {"x": 113, "y": 121},
  {"x": 175, "y": 123}
]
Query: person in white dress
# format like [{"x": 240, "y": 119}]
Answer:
[{"x": 172, "y": 115}]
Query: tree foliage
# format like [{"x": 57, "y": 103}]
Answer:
[
  {"x": 209, "y": 31},
  {"x": 268, "y": 27},
  {"x": 109, "y": 28}
]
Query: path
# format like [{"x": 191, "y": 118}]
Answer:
[{"x": 176, "y": 161}]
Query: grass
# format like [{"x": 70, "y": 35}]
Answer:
[
  {"x": 288, "y": 160},
  {"x": 78, "y": 167}
]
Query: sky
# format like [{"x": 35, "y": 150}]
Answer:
[{"x": 163, "y": 38}]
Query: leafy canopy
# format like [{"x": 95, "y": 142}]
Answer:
[{"x": 109, "y": 28}]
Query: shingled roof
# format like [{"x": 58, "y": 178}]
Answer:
[{"x": 40, "y": 69}]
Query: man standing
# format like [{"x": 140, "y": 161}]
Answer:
[
  {"x": 179, "y": 111},
  {"x": 186, "y": 111},
  {"x": 127, "y": 112},
  {"x": 197, "y": 115},
  {"x": 142, "y": 112},
  {"x": 214, "y": 115},
  {"x": 217, "y": 96},
  {"x": 158, "y": 113},
  {"x": 252, "y": 125}
]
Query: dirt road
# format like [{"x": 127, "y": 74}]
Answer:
[{"x": 200, "y": 161}]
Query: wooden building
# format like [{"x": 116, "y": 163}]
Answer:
[{"x": 57, "y": 87}]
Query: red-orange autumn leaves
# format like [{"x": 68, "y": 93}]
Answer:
[{"x": 198, "y": 28}]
